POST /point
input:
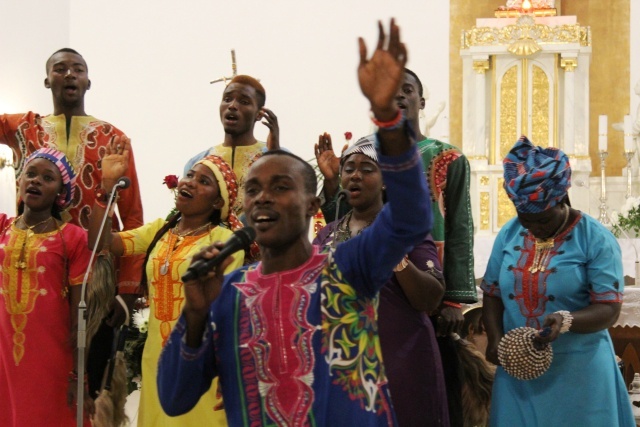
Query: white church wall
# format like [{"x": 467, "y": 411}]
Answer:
[{"x": 150, "y": 63}]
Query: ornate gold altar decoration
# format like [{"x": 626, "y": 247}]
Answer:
[
  {"x": 526, "y": 29},
  {"x": 485, "y": 211},
  {"x": 540, "y": 105}
]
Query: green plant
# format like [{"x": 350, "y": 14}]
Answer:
[{"x": 626, "y": 223}]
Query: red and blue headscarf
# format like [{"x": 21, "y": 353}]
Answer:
[
  {"x": 66, "y": 172},
  {"x": 536, "y": 178}
]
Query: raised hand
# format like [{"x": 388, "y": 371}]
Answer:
[
  {"x": 328, "y": 162},
  {"x": 115, "y": 161},
  {"x": 271, "y": 121},
  {"x": 380, "y": 76}
]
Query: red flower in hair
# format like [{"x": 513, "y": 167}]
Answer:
[
  {"x": 171, "y": 181},
  {"x": 348, "y": 136}
]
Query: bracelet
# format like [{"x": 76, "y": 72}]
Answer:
[
  {"x": 395, "y": 123},
  {"x": 402, "y": 264},
  {"x": 567, "y": 319},
  {"x": 452, "y": 304}
]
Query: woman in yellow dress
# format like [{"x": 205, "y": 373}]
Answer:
[{"x": 203, "y": 199}]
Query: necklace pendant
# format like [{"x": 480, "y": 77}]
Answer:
[
  {"x": 533, "y": 269},
  {"x": 164, "y": 268},
  {"x": 21, "y": 265}
]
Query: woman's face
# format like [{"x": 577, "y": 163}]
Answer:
[
  {"x": 545, "y": 224},
  {"x": 40, "y": 184},
  {"x": 362, "y": 178},
  {"x": 198, "y": 191}
]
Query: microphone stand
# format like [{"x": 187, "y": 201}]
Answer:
[{"x": 82, "y": 313}]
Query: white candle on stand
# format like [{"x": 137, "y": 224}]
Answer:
[
  {"x": 602, "y": 133},
  {"x": 628, "y": 140}
]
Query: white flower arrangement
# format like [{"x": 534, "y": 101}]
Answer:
[
  {"x": 626, "y": 223},
  {"x": 141, "y": 319}
]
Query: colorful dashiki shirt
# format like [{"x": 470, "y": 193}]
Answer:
[
  {"x": 409, "y": 348},
  {"x": 447, "y": 172},
  {"x": 36, "y": 354},
  {"x": 84, "y": 147},
  {"x": 166, "y": 300},
  {"x": 583, "y": 386}
]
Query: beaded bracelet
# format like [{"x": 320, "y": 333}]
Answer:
[
  {"x": 452, "y": 304},
  {"x": 567, "y": 319},
  {"x": 395, "y": 123}
]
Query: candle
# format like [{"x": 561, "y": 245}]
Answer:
[
  {"x": 628, "y": 141},
  {"x": 602, "y": 133}
]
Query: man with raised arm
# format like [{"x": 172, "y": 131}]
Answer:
[{"x": 294, "y": 338}]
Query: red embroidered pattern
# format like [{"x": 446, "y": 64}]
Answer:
[{"x": 281, "y": 342}]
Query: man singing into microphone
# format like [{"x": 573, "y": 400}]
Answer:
[{"x": 294, "y": 337}]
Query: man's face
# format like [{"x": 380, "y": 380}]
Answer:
[
  {"x": 276, "y": 203},
  {"x": 239, "y": 109},
  {"x": 68, "y": 78},
  {"x": 409, "y": 99}
]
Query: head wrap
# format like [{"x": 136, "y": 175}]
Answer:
[
  {"x": 66, "y": 172},
  {"x": 536, "y": 178},
  {"x": 229, "y": 191},
  {"x": 228, "y": 188},
  {"x": 364, "y": 146}
]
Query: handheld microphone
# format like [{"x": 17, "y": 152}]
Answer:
[
  {"x": 122, "y": 183},
  {"x": 241, "y": 239}
]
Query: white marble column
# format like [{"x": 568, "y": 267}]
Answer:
[
  {"x": 480, "y": 135},
  {"x": 569, "y": 64}
]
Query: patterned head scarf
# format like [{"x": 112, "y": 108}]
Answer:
[
  {"x": 66, "y": 172},
  {"x": 229, "y": 191},
  {"x": 228, "y": 188},
  {"x": 364, "y": 146},
  {"x": 536, "y": 178}
]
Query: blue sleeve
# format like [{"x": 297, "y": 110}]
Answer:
[
  {"x": 367, "y": 260},
  {"x": 604, "y": 265},
  {"x": 490, "y": 285},
  {"x": 195, "y": 159},
  {"x": 184, "y": 373}
]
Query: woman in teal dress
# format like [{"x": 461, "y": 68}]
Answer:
[{"x": 556, "y": 268}]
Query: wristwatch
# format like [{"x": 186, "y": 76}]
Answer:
[{"x": 402, "y": 264}]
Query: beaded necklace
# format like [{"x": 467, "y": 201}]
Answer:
[
  {"x": 175, "y": 240},
  {"x": 543, "y": 247},
  {"x": 342, "y": 231}
]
